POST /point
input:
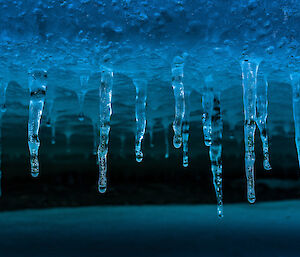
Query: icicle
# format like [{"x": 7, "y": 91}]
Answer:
[
  {"x": 140, "y": 116},
  {"x": 185, "y": 129},
  {"x": 261, "y": 121},
  {"x": 295, "y": 77},
  {"x": 207, "y": 105},
  {"x": 249, "y": 78},
  {"x": 166, "y": 134},
  {"x": 84, "y": 80},
  {"x": 177, "y": 84},
  {"x": 105, "y": 93},
  {"x": 37, "y": 79},
  {"x": 215, "y": 152}
]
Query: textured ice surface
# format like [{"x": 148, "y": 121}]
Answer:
[{"x": 193, "y": 46}]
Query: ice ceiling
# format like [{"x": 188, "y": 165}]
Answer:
[{"x": 151, "y": 54}]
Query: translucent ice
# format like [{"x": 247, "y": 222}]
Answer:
[
  {"x": 249, "y": 81},
  {"x": 261, "y": 121},
  {"x": 185, "y": 130},
  {"x": 140, "y": 116},
  {"x": 178, "y": 88},
  {"x": 207, "y": 105},
  {"x": 215, "y": 152},
  {"x": 37, "y": 79},
  {"x": 105, "y": 111}
]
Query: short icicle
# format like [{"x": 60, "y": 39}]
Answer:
[
  {"x": 249, "y": 80},
  {"x": 261, "y": 121},
  {"x": 84, "y": 80},
  {"x": 140, "y": 116},
  {"x": 37, "y": 79},
  {"x": 185, "y": 130},
  {"x": 295, "y": 77},
  {"x": 105, "y": 94},
  {"x": 178, "y": 88},
  {"x": 215, "y": 152}
]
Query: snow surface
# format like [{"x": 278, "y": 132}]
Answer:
[{"x": 265, "y": 229}]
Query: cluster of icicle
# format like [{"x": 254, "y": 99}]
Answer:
[{"x": 255, "y": 114}]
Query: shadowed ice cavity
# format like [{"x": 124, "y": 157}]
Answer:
[
  {"x": 178, "y": 88},
  {"x": 140, "y": 115},
  {"x": 105, "y": 112},
  {"x": 37, "y": 79}
]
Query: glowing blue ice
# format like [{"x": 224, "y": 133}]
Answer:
[
  {"x": 37, "y": 79},
  {"x": 140, "y": 116},
  {"x": 215, "y": 151},
  {"x": 105, "y": 111},
  {"x": 185, "y": 130},
  {"x": 177, "y": 84},
  {"x": 249, "y": 78}
]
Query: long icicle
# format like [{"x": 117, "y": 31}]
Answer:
[
  {"x": 178, "y": 88},
  {"x": 185, "y": 130},
  {"x": 140, "y": 116},
  {"x": 261, "y": 121},
  {"x": 105, "y": 111},
  {"x": 37, "y": 79},
  {"x": 215, "y": 152},
  {"x": 295, "y": 77},
  {"x": 207, "y": 105},
  {"x": 249, "y": 80}
]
